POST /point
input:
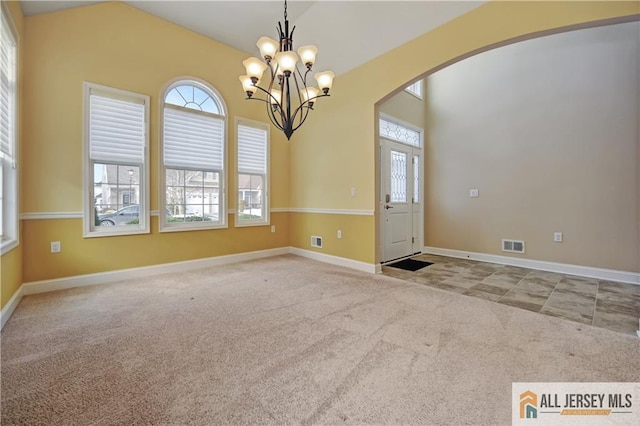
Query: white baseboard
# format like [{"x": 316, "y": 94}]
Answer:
[
  {"x": 123, "y": 274},
  {"x": 563, "y": 268},
  {"x": 11, "y": 305},
  {"x": 44, "y": 286},
  {"x": 145, "y": 271},
  {"x": 335, "y": 260}
]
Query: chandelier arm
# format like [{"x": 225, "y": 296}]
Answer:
[
  {"x": 270, "y": 108},
  {"x": 300, "y": 100},
  {"x": 286, "y": 115},
  {"x": 267, "y": 93},
  {"x": 302, "y": 106},
  {"x": 303, "y": 116},
  {"x": 306, "y": 106},
  {"x": 269, "y": 112},
  {"x": 272, "y": 117},
  {"x": 304, "y": 78},
  {"x": 313, "y": 99},
  {"x": 279, "y": 103}
]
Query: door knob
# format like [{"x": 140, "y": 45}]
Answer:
[{"x": 387, "y": 206}]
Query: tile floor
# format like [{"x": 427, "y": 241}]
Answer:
[{"x": 601, "y": 303}]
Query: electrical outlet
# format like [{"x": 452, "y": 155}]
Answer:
[
  {"x": 273, "y": 228},
  {"x": 56, "y": 247},
  {"x": 339, "y": 234},
  {"x": 473, "y": 193},
  {"x": 557, "y": 237},
  {"x": 353, "y": 192}
]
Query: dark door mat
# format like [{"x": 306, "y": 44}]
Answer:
[{"x": 410, "y": 264}]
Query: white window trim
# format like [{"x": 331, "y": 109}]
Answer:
[
  {"x": 14, "y": 240},
  {"x": 162, "y": 193},
  {"x": 409, "y": 89},
  {"x": 267, "y": 193},
  {"x": 87, "y": 200}
]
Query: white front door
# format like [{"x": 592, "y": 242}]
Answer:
[{"x": 399, "y": 193}]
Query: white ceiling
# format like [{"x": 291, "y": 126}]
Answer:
[{"x": 347, "y": 33}]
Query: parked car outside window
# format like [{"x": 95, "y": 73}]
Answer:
[{"x": 124, "y": 216}]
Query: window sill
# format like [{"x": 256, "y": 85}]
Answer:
[
  {"x": 246, "y": 224},
  {"x": 8, "y": 245},
  {"x": 116, "y": 233},
  {"x": 191, "y": 227}
]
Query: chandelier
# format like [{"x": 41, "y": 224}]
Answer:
[{"x": 285, "y": 91}]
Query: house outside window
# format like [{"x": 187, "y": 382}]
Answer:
[
  {"x": 8, "y": 133},
  {"x": 116, "y": 162},
  {"x": 253, "y": 173},
  {"x": 193, "y": 146}
]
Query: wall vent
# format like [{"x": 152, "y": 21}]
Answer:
[
  {"x": 316, "y": 241},
  {"x": 513, "y": 246}
]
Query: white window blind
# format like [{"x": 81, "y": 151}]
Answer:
[
  {"x": 193, "y": 140},
  {"x": 116, "y": 129},
  {"x": 7, "y": 91},
  {"x": 252, "y": 150}
]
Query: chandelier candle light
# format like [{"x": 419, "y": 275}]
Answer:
[{"x": 287, "y": 96}]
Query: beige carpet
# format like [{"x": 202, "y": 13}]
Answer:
[{"x": 286, "y": 340}]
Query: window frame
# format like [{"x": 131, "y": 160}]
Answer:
[
  {"x": 223, "y": 223},
  {"x": 9, "y": 167},
  {"x": 419, "y": 93},
  {"x": 266, "y": 221},
  {"x": 402, "y": 124},
  {"x": 89, "y": 227}
]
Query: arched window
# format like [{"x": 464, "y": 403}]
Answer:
[{"x": 193, "y": 157}]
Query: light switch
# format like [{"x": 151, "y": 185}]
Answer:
[{"x": 474, "y": 193}]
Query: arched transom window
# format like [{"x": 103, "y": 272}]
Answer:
[{"x": 194, "y": 97}]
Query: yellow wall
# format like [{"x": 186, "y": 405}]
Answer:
[
  {"x": 335, "y": 150},
  {"x": 89, "y": 255},
  {"x": 11, "y": 262},
  {"x": 355, "y": 241},
  {"x": 116, "y": 45},
  {"x": 140, "y": 54}
]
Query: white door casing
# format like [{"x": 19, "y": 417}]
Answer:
[{"x": 400, "y": 199}]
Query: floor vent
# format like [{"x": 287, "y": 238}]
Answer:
[
  {"x": 513, "y": 246},
  {"x": 316, "y": 241}
]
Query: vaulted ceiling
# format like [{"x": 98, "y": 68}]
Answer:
[{"x": 347, "y": 33}]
